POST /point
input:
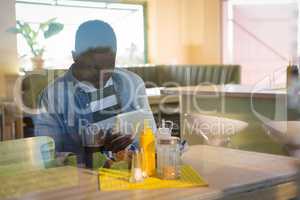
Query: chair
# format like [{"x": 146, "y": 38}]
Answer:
[
  {"x": 26, "y": 154},
  {"x": 216, "y": 131},
  {"x": 285, "y": 133}
]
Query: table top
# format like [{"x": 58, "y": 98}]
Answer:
[
  {"x": 231, "y": 90},
  {"x": 156, "y": 97},
  {"x": 228, "y": 172}
]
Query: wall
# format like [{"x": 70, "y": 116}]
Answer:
[
  {"x": 184, "y": 31},
  {"x": 8, "y": 47},
  {"x": 179, "y": 32}
]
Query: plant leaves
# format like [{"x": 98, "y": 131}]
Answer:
[
  {"x": 44, "y": 25},
  {"x": 53, "y": 29},
  {"x": 13, "y": 30},
  {"x": 27, "y": 28},
  {"x": 48, "y": 28},
  {"x": 17, "y": 29},
  {"x": 34, "y": 35},
  {"x": 39, "y": 51},
  {"x": 19, "y": 24}
]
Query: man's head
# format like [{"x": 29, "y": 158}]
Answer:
[{"x": 95, "y": 46}]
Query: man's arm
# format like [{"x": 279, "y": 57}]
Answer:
[
  {"x": 47, "y": 123},
  {"x": 143, "y": 103}
]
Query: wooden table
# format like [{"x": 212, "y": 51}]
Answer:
[
  {"x": 156, "y": 97},
  {"x": 231, "y": 174}
]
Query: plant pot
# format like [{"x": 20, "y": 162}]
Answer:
[{"x": 37, "y": 62}]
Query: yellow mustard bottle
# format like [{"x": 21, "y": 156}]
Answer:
[{"x": 147, "y": 145}]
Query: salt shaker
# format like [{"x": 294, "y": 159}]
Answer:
[{"x": 136, "y": 168}]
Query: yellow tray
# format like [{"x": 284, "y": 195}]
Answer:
[{"x": 110, "y": 180}]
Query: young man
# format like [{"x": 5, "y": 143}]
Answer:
[{"x": 87, "y": 99}]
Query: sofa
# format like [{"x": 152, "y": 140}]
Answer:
[
  {"x": 153, "y": 76},
  {"x": 187, "y": 75}
]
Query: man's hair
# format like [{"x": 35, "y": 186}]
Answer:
[{"x": 95, "y": 34}]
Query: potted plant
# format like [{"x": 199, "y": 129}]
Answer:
[{"x": 34, "y": 37}]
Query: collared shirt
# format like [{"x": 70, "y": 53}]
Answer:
[
  {"x": 65, "y": 108},
  {"x": 104, "y": 106}
]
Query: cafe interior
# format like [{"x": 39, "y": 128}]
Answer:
[{"x": 217, "y": 91}]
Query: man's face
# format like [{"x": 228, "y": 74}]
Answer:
[{"x": 97, "y": 63}]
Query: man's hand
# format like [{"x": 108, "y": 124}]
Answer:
[{"x": 117, "y": 142}]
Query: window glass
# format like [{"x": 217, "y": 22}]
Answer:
[{"x": 126, "y": 19}]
